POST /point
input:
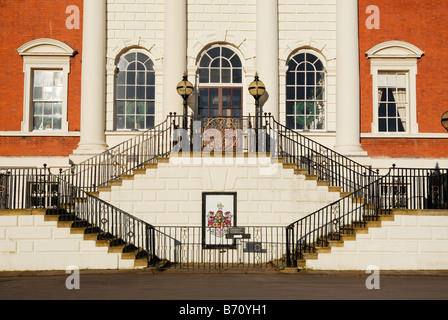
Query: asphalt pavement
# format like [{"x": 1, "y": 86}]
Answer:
[{"x": 185, "y": 292}]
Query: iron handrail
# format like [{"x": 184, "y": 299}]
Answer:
[
  {"x": 335, "y": 219},
  {"x": 123, "y": 158},
  {"x": 318, "y": 159}
]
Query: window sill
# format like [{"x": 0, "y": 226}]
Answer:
[
  {"x": 405, "y": 135},
  {"x": 40, "y": 134}
]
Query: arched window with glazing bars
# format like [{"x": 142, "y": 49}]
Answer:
[
  {"x": 305, "y": 93},
  {"x": 135, "y": 92},
  {"x": 220, "y": 83}
]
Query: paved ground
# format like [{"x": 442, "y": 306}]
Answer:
[{"x": 284, "y": 290}]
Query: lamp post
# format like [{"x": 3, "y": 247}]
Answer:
[
  {"x": 257, "y": 90},
  {"x": 185, "y": 89},
  {"x": 445, "y": 120}
]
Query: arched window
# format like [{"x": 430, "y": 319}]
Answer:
[
  {"x": 220, "y": 83},
  {"x": 305, "y": 93},
  {"x": 135, "y": 92}
]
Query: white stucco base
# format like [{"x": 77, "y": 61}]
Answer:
[
  {"x": 410, "y": 242},
  {"x": 29, "y": 243}
]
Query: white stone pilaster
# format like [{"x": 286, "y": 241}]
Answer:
[
  {"x": 267, "y": 54},
  {"x": 347, "y": 78},
  {"x": 93, "y": 95},
  {"x": 175, "y": 54}
]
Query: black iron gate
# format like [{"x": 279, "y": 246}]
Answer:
[{"x": 187, "y": 248}]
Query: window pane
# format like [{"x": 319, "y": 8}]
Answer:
[
  {"x": 121, "y": 77},
  {"x": 130, "y": 122},
  {"x": 141, "y": 78},
  {"x": 237, "y": 76},
  {"x": 300, "y": 78},
  {"x": 141, "y": 57},
  {"x": 141, "y": 92},
  {"x": 37, "y": 95},
  {"x": 121, "y": 92},
  {"x": 214, "y": 74},
  {"x": 236, "y": 98},
  {"x": 130, "y": 108},
  {"x": 38, "y": 108},
  {"x": 58, "y": 78},
  {"x": 140, "y": 122},
  {"x": 120, "y": 107},
  {"x": 382, "y": 125},
  {"x": 48, "y": 94},
  {"x": 150, "y": 108},
  {"x": 57, "y": 109},
  {"x": 57, "y": 123},
  {"x": 290, "y": 122},
  {"x": 150, "y": 93},
  {"x": 204, "y": 75},
  {"x": 57, "y": 94},
  {"x": 48, "y": 78},
  {"x": 47, "y": 125},
  {"x": 130, "y": 78},
  {"x": 141, "y": 108},
  {"x": 48, "y": 109},
  {"x": 205, "y": 61},
  {"x": 130, "y": 92},
  {"x": 120, "y": 122},
  {"x": 290, "y": 93},
  {"x": 38, "y": 124},
  {"x": 149, "y": 122},
  {"x": 225, "y": 76},
  {"x": 38, "y": 78},
  {"x": 236, "y": 62},
  {"x": 150, "y": 78}
]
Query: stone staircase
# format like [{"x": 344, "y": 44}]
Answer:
[
  {"x": 122, "y": 192},
  {"x": 347, "y": 233},
  {"x": 102, "y": 239}
]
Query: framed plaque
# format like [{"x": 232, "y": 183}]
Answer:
[{"x": 218, "y": 215}]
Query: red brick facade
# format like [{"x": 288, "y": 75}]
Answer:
[
  {"x": 21, "y": 22},
  {"x": 423, "y": 24}
]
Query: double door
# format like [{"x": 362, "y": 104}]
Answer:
[{"x": 220, "y": 108}]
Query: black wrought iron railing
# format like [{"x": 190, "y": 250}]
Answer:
[
  {"x": 22, "y": 188},
  {"x": 317, "y": 159},
  {"x": 186, "y": 247},
  {"x": 121, "y": 159},
  {"x": 400, "y": 188}
]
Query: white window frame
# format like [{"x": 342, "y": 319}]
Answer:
[
  {"x": 396, "y": 56},
  {"x": 44, "y": 54},
  {"x": 325, "y": 87}
]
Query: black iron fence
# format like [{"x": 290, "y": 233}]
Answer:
[
  {"x": 22, "y": 188},
  {"x": 415, "y": 189},
  {"x": 201, "y": 248}
]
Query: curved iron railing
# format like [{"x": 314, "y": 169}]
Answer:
[
  {"x": 124, "y": 157},
  {"x": 102, "y": 219},
  {"x": 316, "y": 158},
  {"x": 339, "y": 218}
]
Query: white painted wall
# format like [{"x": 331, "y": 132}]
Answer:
[
  {"x": 410, "y": 242},
  {"x": 28, "y": 243}
]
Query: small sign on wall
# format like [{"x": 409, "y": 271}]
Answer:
[{"x": 218, "y": 215}]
